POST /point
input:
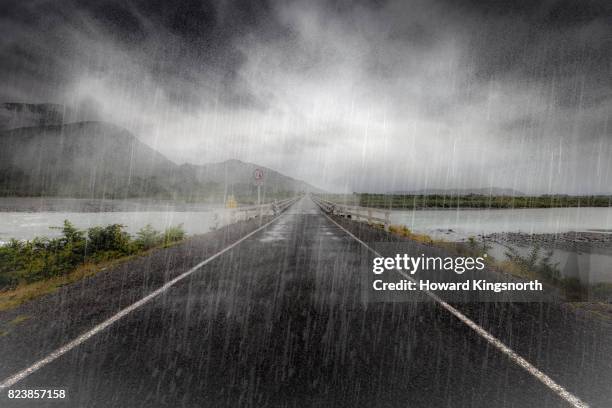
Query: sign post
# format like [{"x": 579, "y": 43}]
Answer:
[{"x": 258, "y": 176}]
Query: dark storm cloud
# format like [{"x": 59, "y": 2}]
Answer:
[
  {"x": 42, "y": 41},
  {"x": 366, "y": 95},
  {"x": 566, "y": 42}
]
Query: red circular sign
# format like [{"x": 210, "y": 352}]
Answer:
[{"x": 258, "y": 174}]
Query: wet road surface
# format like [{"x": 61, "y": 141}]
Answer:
[{"x": 278, "y": 322}]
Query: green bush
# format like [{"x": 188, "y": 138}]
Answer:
[
  {"x": 109, "y": 238},
  {"x": 42, "y": 258},
  {"x": 147, "y": 237},
  {"x": 173, "y": 234},
  {"x": 533, "y": 262},
  {"x": 574, "y": 290}
]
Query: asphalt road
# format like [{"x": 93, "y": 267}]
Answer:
[{"x": 278, "y": 321}]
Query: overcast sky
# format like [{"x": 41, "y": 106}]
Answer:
[{"x": 350, "y": 96}]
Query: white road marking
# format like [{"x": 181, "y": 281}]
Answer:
[
  {"x": 9, "y": 382},
  {"x": 530, "y": 368}
]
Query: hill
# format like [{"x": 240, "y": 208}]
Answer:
[
  {"x": 101, "y": 160},
  {"x": 16, "y": 115},
  {"x": 238, "y": 177}
]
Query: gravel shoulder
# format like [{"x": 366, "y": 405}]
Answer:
[{"x": 574, "y": 241}]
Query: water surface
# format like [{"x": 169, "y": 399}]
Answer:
[
  {"x": 462, "y": 223},
  {"x": 456, "y": 225},
  {"x": 27, "y": 225}
]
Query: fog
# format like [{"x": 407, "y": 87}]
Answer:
[{"x": 366, "y": 96}]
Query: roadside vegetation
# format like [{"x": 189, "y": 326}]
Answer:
[
  {"x": 404, "y": 231},
  {"x": 396, "y": 201},
  {"x": 31, "y": 268},
  {"x": 536, "y": 264}
]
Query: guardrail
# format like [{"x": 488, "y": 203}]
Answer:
[
  {"x": 370, "y": 215},
  {"x": 248, "y": 212}
]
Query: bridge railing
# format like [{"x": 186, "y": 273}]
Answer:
[
  {"x": 252, "y": 211},
  {"x": 366, "y": 214}
]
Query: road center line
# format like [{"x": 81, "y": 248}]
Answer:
[
  {"x": 530, "y": 368},
  {"x": 9, "y": 382}
]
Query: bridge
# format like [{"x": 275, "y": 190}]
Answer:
[{"x": 269, "y": 313}]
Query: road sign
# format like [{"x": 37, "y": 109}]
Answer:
[
  {"x": 231, "y": 202},
  {"x": 258, "y": 175}
]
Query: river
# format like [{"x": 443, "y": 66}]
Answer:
[
  {"x": 463, "y": 223},
  {"x": 456, "y": 225},
  {"x": 451, "y": 225}
]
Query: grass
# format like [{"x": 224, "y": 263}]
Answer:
[
  {"x": 19, "y": 319},
  {"x": 399, "y": 201},
  {"x": 24, "y": 292},
  {"x": 404, "y": 231},
  {"x": 30, "y": 269},
  {"x": 601, "y": 310}
]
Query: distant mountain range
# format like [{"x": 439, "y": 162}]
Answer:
[
  {"x": 238, "y": 176},
  {"x": 16, "y": 115},
  {"x": 101, "y": 160},
  {"x": 491, "y": 191}
]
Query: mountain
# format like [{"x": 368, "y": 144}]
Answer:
[
  {"x": 101, "y": 160},
  {"x": 16, "y": 115},
  {"x": 238, "y": 176},
  {"x": 85, "y": 159},
  {"x": 487, "y": 191}
]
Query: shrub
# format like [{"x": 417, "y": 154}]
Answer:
[
  {"x": 109, "y": 238},
  {"x": 42, "y": 258},
  {"x": 70, "y": 233},
  {"x": 173, "y": 234},
  {"x": 400, "y": 230},
  {"x": 472, "y": 242},
  {"x": 532, "y": 262},
  {"x": 148, "y": 237},
  {"x": 574, "y": 290}
]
